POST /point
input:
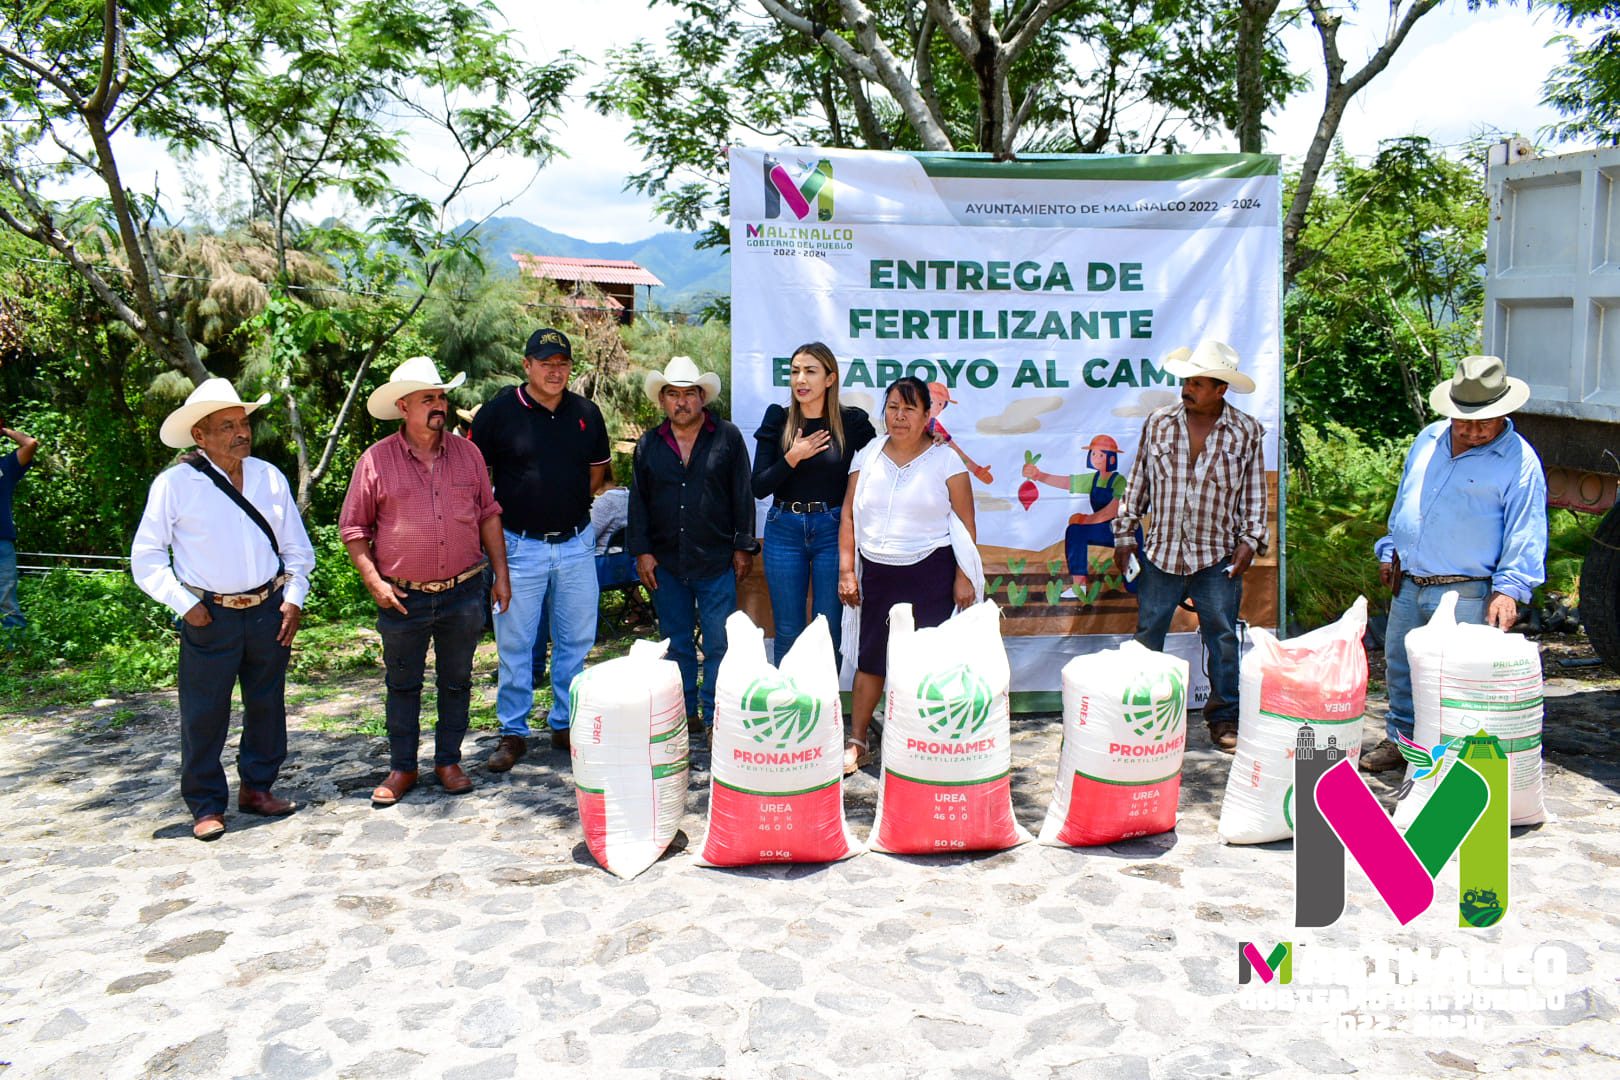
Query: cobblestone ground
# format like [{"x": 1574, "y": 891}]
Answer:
[{"x": 474, "y": 937}]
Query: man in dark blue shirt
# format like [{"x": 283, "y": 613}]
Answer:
[
  {"x": 12, "y": 467},
  {"x": 691, "y": 524}
]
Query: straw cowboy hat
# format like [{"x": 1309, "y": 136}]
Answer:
[
  {"x": 682, "y": 371},
  {"x": 212, "y": 396},
  {"x": 1211, "y": 360},
  {"x": 1480, "y": 390},
  {"x": 417, "y": 373}
]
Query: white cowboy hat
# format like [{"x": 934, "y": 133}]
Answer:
[
  {"x": 417, "y": 373},
  {"x": 1480, "y": 390},
  {"x": 212, "y": 396},
  {"x": 1211, "y": 360},
  {"x": 682, "y": 371}
]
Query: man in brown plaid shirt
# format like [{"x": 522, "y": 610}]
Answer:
[{"x": 1201, "y": 468}]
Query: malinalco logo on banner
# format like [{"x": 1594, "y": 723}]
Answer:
[
  {"x": 1467, "y": 815},
  {"x": 1037, "y": 299}
]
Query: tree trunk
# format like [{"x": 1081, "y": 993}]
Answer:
[{"x": 1254, "y": 17}]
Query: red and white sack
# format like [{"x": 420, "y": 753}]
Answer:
[
  {"x": 1467, "y": 677},
  {"x": 947, "y": 737},
  {"x": 776, "y": 790},
  {"x": 1317, "y": 680},
  {"x": 1124, "y": 735},
  {"x": 629, "y": 746}
]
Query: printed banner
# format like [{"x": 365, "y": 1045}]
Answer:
[{"x": 1039, "y": 299}]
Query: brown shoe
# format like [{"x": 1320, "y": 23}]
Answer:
[
  {"x": 559, "y": 739},
  {"x": 1382, "y": 758},
  {"x": 1223, "y": 733},
  {"x": 507, "y": 751},
  {"x": 209, "y": 827},
  {"x": 393, "y": 788},
  {"x": 263, "y": 803},
  {"x": 453, "y": 779}
]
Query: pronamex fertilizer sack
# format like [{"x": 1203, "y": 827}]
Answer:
[
  {"x": 1124, "y": 733},
  {"x": 1465, "y": 678},
  {"x": 776, "y": 791},
  {"x": 630, "y": 756},
  {"x": 947, "y": 740},
  {"x": 1317, "y": 680}
]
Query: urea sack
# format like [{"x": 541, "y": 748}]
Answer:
[
  {"x": 629, "y": 745},
  {"x": 1467, "y": 677},
  {"x": 947, "y": 737},
  {"x": 1317, "y": 680},
  {"x": 1124, "y": 734},
  {"x": 776, "y": 789}
]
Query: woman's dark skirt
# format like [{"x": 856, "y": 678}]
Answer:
[{"x": 929, "y": 586}]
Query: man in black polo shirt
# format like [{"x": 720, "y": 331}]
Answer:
[
  {"x": 547, "y": 450},
  {"x": 691, "y": 523}
]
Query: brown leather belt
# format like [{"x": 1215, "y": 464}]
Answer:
[
  {"x": 242, "y": 600},
  {"x": 439, "y": 586},
  {"x": 1442, "y": 579}
]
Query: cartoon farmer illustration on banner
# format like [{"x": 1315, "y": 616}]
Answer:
[
  {"x": 938, "y": 398},
  {"x": 1104, "y": 484}
]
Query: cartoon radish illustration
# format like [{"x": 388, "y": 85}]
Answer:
[{"x": 1027, "y": 491}]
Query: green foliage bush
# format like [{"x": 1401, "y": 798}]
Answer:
[{"x": 335, "y": 590}]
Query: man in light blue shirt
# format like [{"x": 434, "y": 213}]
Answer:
[{"x": 1470, "y": 517}]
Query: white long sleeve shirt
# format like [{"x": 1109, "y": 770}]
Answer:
[{"x": 216, "y": 547}]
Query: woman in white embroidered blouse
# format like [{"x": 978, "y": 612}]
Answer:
[{"x": 899, "y": 520}]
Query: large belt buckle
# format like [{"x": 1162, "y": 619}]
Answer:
[
  {"x": 239, "y": 601},
  {"x": 435, "y": 586}
]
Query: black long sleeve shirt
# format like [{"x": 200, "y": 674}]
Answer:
[
  {"x": 822, "y": 478},
  {"x": 691, "y": 517}
]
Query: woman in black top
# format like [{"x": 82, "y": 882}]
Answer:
[{"x": 802, "y": 461}]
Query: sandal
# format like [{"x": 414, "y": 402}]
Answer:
[{"x": 855, "y": 759}]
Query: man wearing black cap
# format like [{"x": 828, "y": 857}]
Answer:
[{"x": 547, "y": 450}]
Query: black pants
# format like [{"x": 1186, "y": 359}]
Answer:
[
  {"x": 236, "y": 646},
  {"x": 452, "y": 621}
]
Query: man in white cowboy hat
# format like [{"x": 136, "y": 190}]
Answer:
[
  {"x": 421, "y": 524},
  {"x": 1470, "y": 517},
  {"x": 547, "y": 449},
  {"x": 237, "y": 580},
  {"x": 691, "y": 524},
  {"x": 1200, "y": 467}
]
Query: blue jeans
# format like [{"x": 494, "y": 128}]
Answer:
[
  {"x": 452, "y": 622},
  {"x": 565, "y": 572},
  {"x": 1412, "y": 607},
  {"x": 801, "y": 558},
  {"x": 11, "y": 616},
  {"x": 1217, "y": 598},
  {"x": 686, "y": 606}
]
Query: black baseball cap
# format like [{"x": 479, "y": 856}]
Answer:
[{"x": 547, "y": 342}]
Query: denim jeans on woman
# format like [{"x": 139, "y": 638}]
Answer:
[
  {"x": 801, "y": 560},
  {"x": 1217, "y": 598},
  {"x": 452, "y": 622}
]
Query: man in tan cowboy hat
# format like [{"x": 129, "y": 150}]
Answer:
[
  {"x": 418, "y": 521},
  {"x": 237, "y": 580},
  {"x": 1470, "y": 517},
  {"x": 1200, "y": 466},
  {"x": 691, "y": 523}
]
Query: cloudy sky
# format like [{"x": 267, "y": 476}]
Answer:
[{"x": 1459, "y": 74}]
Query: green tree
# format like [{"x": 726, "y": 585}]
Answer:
[{"x": 1585, "y": 88}]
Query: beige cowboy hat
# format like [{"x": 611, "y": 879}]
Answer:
[
  {"x": 682, "y": 371},
  {"x": 1210, "y": 360},
  {"x": 212, "y": 396},
  {"x": 417, "y": 373},
  {"x": 1480, "y": 390}
]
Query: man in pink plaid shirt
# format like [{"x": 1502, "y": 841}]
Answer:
[{"x": 1201, "y": 469}]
